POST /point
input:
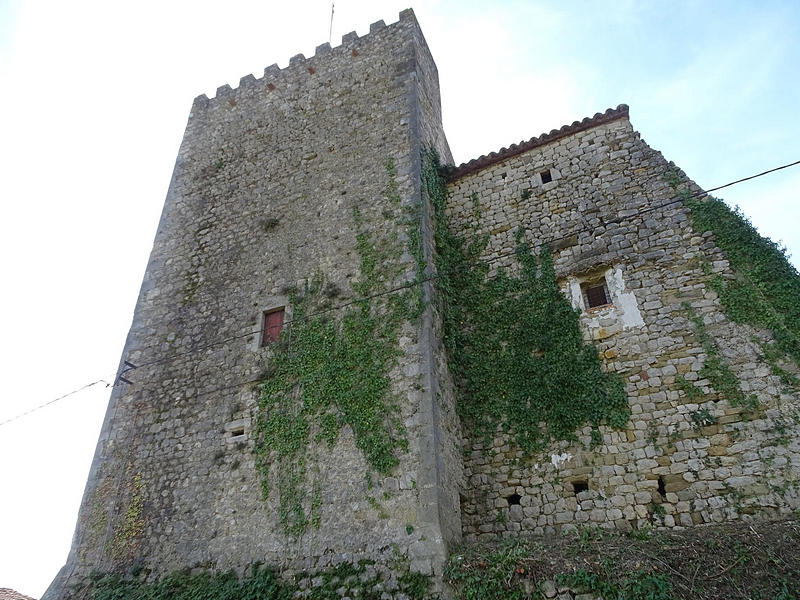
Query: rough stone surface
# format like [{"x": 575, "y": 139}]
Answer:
[
  {"x": 609, "y": 216},
  {"x": 261, "y": 202}
]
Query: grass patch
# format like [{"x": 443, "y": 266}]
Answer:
[{"x": 740, "y": 561}]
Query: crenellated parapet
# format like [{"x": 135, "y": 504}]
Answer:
[{"x": 301, "y": 66}]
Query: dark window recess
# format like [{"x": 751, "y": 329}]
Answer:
[
  {"x": 514, "y": 499},
  {"x": 661, "y": 488},
  {"x": 580, "y": 486},
  {"x": 237, "y": 432},
  {"x": 547, "y": 176},
  {"x": 596, "y": 295},
  {"x": 273, "y": 323}
]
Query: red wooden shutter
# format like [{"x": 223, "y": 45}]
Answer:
[{"x": 273, "y": 323}]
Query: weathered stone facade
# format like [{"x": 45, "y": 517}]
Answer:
[
  {"x": 610, "y": 217},
  {"x": 262, "y": 203}
]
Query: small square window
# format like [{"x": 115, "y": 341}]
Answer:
[
  {"x": 662, "y": 489},
  {"x": 596, "y": 294},
  {"x": 547, "y": 176},
  {"x": 580, "y": 486},
  {"x": 273, "y": 324}
]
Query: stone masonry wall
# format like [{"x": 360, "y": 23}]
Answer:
[
  {"x": 261, "y": 202},
  {"x": 443, "y": 456},
  {"x": 603, "y": 219}
]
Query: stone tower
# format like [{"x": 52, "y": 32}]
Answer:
[
  {"x": 283, "y": 191},
  {"x": 294, "y": 393}
]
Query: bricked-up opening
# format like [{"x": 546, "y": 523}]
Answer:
[
  {"x": 596, "y": 294},
  {"x": 580, "y": 486},
  {"x": 661, "y": 488},
  {"x": 237, "y": 432},
  {"x": 273, "y": 323},
  {"x": 547, "y": 176},
  {"x": 514, "y": 499}
]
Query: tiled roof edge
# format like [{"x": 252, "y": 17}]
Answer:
[
  {"x": 9, "y": 594},
  {"x": 476, "y": 164}
]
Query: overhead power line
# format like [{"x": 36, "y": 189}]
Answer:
[
  {"x": 53, "y": 401},
  {"x": 797, "y": 162},
  {"x": 432, "y": 277},
  {"x": 129, "y": 367}
]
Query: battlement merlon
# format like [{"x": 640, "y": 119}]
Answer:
[
  {"x": 299, "y": 63},
  {"x": 323, "y": 63}
]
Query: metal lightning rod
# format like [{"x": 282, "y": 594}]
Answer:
[{"x": 330, "y": 30}]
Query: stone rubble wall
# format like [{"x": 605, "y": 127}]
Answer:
[
  {"x": 603, "y": 219},
  {"x": 442, "y": 466},
  {"x": 261, "y": 202}
]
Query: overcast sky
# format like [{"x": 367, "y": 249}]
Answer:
[{"x": 95, "y": 96}]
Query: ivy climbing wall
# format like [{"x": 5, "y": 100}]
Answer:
[
  {"x": 708, "y": 427},
  {"x": 562, "y": 333},
  {"x": 297, "y": 191}
]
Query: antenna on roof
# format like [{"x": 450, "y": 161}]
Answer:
[{"x": 330, "y": 30}]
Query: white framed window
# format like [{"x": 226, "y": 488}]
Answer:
[{"x": 602, "y": 293}]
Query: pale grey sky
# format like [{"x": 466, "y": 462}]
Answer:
[{"x": 96, "y": 95}]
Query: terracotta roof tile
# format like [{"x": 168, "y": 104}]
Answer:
[
  {"x": 9, "y": 594},
  {"x": 612, "y": 114}
]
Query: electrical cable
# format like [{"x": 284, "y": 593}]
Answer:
[
  {"x": 437, "y": 275},
  {"x": 379, "y": 294},
  {"x": 786, "y": 166},
  {"x": 53, "y": 401}
]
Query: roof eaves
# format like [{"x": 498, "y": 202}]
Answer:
[{"x": 476, "y": 164}]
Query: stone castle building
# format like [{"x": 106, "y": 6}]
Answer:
[{"x": 288, "y": 395}]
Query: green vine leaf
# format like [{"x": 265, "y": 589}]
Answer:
[
  {"x": 765, "y": 289},
  {"x": 515, "y": 344},
  {"x": 332, "y": 370}
]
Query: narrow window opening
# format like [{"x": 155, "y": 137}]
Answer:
[
  {"x": 237, "y": 431},
  {"x": 547, "y": 176},
  {"x": 596, "y": 294},
  {"x": 273, "y": 323},
  {"x": 514, "y": 499},
  {"x": 580, "y": 486},
  {"x": 661, "y": 488}
]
